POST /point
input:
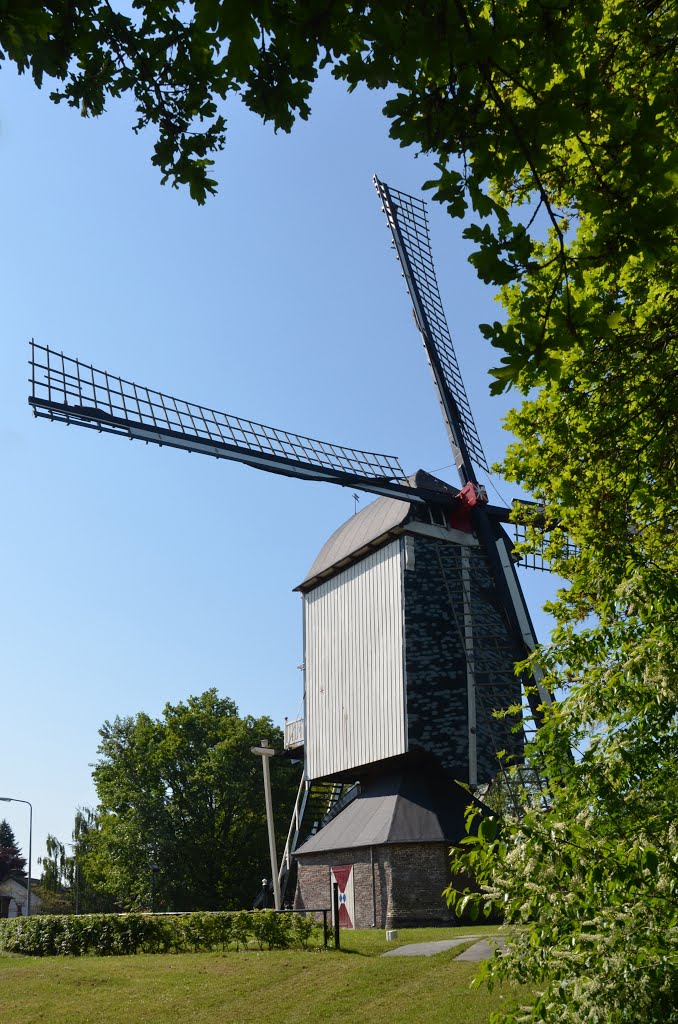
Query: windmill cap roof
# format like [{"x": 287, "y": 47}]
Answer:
[{"x": 369, "y": 528}]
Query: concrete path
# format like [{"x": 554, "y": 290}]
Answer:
[
  {"x": 482, "y": 949},
  {"x": 429, "y": 948}
]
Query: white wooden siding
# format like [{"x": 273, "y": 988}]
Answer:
[{"x": 355, "y": 694}]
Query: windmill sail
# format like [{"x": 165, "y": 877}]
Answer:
[
  {"x": 69, "y": 391},
  {"x": 408, "y": 221}
]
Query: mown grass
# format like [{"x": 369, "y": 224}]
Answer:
[{"x": 280, "y": 987}]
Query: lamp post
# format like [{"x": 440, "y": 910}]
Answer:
[
  {"x": 265, "y": 752},
  {"x": 16, "y": 800}
]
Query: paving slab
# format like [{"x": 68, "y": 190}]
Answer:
[
  {"x": 430, "y": 948},
  {"x": 482, "y": 950}
]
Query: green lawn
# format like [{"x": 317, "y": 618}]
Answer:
[{"x": 280, "y": 987}]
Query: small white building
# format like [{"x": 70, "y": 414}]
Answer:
[{"x": 14, "y": 897}]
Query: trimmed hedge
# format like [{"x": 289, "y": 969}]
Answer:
[{"x": 125, "y": 934}]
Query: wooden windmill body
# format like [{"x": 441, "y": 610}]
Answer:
[
  {"x": 406, "y": 658},
  {"x": 413, "y": 620}
]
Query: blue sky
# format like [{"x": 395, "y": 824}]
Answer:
[{"x": 133, "y": 575}]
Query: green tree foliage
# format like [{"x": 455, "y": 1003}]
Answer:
[
  {"x": 594, "y": 879},
  {"x": 57, "y": 866},
  {"x": 64, "y": 887},
  {"x": 185, "y": 793},
  {"x": 87, "y": 899},
  {"x": 591, "y": 324},
  {"x": 589, "y": 874},
  {"x": 10, "y": 854},
  {"x": 55, "y": 888}
]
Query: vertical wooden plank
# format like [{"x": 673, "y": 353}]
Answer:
[{"x": 354, "y": 667}]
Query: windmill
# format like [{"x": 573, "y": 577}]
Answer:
[{"x": 413, "y": 619}]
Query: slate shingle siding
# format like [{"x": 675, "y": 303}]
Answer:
[{"x": 435, "y": 665}]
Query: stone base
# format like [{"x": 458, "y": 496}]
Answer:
[{"x": 397, "y": 885}]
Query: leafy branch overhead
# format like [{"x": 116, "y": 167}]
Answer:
[{"x": 554, "y": 122}]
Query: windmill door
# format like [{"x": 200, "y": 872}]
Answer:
[{"x": 343, "y": 876}]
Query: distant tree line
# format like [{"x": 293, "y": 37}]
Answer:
[
  {"x": 11, "y": 859},
  {"x": 181, "y": 811}
]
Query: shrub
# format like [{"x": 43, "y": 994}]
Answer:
[
  {"x": 240, "y": 928},
  {"x": 197, "y": 934},
  {"x": 271, "y": 929},
  {"x": 303, "y": 929},
  {"x": 127, "y": 934},
  {"x": 222, "y": 928}
]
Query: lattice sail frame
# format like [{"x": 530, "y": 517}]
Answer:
[
  {"x": 73, "y": 392},
  {"x": 408, "y": 221}
]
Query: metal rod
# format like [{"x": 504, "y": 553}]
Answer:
[{"x": 335, "y": 911}]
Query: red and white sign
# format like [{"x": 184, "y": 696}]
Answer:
[{"x": 343, "y": 876}]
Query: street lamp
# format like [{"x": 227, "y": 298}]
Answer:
[
  {"x": 16, "y": 800},
  {"x": 265, "y": 752}
]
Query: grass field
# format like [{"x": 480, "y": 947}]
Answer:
[{"x": 354, "y": 985}]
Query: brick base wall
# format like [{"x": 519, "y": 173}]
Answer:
[{"x": 394, "y": 886}]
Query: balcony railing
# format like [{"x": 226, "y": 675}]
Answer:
[{"x": 294, "y": 733}]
